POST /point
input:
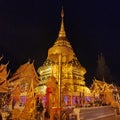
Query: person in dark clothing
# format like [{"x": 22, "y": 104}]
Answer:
[
  {"x": 39, "y": 109},
  {"x": 37, "y": 101},
  {"x": 47, "y": 115}
]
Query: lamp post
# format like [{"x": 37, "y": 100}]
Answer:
[
  {"x": 59, "y": 79},
  {"x": 62, "y": 56},
  {"x": 60, "y": 50}
]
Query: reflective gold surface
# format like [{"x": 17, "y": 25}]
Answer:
[{"x": 72, "y": 72}]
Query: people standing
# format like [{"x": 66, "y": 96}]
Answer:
[
  {"x": 40, "y": 109},
  {"x": 47, "y": 114}
]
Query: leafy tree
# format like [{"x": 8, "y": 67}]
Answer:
[{"x": 103, "y": 72}]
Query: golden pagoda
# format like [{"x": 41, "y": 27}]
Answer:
[{"x": 70, "y": 73}]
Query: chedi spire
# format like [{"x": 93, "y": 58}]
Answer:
[{"x": 62, "y": 29}]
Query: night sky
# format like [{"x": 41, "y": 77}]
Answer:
[{"x": 29, "y": 27}]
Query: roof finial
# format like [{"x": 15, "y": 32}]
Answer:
[
  {"x": 1, "y": 57},
  {"x": 62, "y": 30},
  {"x": 62, "y": 13}
]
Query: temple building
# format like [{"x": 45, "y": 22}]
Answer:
[
  {"x": 104, "y": 93},
  {"x": 22, "y": 84},
  {"x": 4, "y": 74},
  {"x": 63, "y": 67}
]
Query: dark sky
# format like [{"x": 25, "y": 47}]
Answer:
[{"x": 29, "y": 27}]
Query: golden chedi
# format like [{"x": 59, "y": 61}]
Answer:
[{"x": 69, "y": 72}]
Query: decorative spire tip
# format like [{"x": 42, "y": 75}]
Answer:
[
  {"x": 62, "y": 13},
  {"x": 62, "y": 30}
]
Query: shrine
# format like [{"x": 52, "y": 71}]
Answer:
[{"x": 63, "y": 71}]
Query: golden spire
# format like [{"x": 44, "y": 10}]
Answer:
[{"x": 62, "y": 30}]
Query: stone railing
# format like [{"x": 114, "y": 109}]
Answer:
[
  {"x": 91, "y": 113},
  {"x": 95, "y": 113}
]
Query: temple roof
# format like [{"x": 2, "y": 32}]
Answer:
[
  {"x": 3, "y": 88},
  {"x": 3, "y": 72},
  {"x": 25, "y": 72}
]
